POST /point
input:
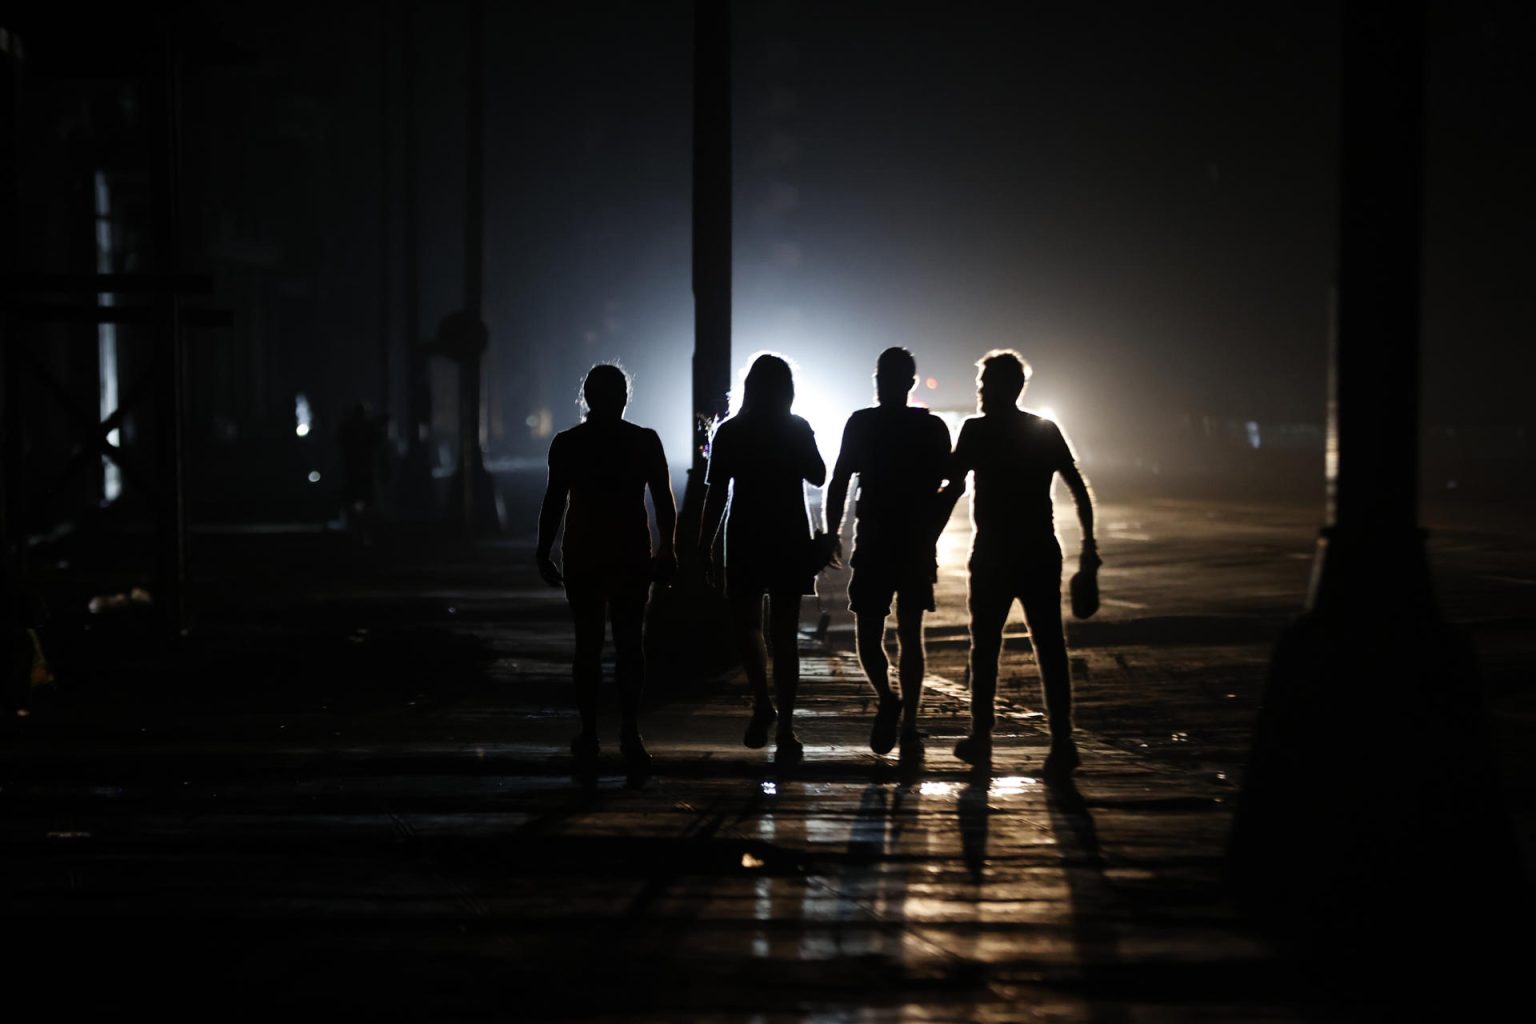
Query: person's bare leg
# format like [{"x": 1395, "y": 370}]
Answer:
[
  {"x": 747, "y": 616},
  {"x": 912, "y": 664},
  {"x": 588, "y": 618},
  {"x": 628, "y": 615},
  {"x": 870, "y": 632},
  {"x": 784, "y": 628}
]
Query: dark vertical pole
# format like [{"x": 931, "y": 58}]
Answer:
[
  {"x": 171, "y": 528},
  {"x": 471, "y": 460},
  {"x": 1372, "y": 766},
  {"x": 1374, "y": 412},
  {"x": 417, "y": 472},
  {"x": 10, "y": 196},
  {"x": 386, "y": 195},
  {"x": 474, "y": 157},
  {"x": 711, "y": 239}
]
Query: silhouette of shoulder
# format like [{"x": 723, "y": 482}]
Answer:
[
  {"x": 752, "y": 445},
  {"x": 1012, "y": 437}
]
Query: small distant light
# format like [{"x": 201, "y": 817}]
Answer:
[
  {"x": 770, "y": 789},
  {"x": 932, "y": 382},
  {"x": 532, "y": 420},
  {"x": 303, "y": 416},
  {"x": 314, "y": 476},
  {"x": 1255, "y": 439},
  {"x": 749, "y": 861}
]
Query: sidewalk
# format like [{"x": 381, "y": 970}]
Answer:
[{"x": 368, "y": 810}]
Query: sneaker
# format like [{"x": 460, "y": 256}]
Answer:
[
  {"x": 788, "y": 749},
  {"x": 974, "y": 749},
  {"x": 1061, "y": 762},
  {"x": 911, "y": 749},
  {"x": 756, "y": 736},
  {"x": 882, "y": 736},
  {"x": 636, "y": 758}
]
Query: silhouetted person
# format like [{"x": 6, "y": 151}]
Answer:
[
  {"x": 761, "y": 458},
  {"x": 360, "y": 438},
  {"x": 900, "y": 454},
  {"x": 598, "y": 474},
  {"x": 1015, "y": 555}
]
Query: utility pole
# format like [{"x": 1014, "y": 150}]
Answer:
[
  {"x": 711, "y": 243},
  {"x": 1372, "y": 767},
  {"x": 463, "y": 336}
]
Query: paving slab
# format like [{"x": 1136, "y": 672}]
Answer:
[{"x": 369, "y": 808}]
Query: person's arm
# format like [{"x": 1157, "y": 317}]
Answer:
[
  {"x": 837, "y": 494},
  {"x": 551, "y": 512},
  {"x": 659, "y": 480},
  {"x": 715, "y": 495},
  {"x": 815, "y": 471},
  {"x": 1082, "y": 496},
  {"x": 954, "y": 487},
  {"x": 717, "y": 488}
]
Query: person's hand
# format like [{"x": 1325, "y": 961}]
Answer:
[
  {"x": 664, "y": 566},
  {"x": 1088, "y": 559},
  {"x": 548, "y": 571}
]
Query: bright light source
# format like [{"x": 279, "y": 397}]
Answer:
[
  {"x": 1046, "y": 412},
  {"x": 314, "y": 476},
  {"x": 302, "y": 417},
  {"x": 932, "y": 382}
]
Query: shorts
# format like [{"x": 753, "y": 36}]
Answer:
[
  {"x": 876, "y": 581},
  {"x": 1031, "y": 575}
]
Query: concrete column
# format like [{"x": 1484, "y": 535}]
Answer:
[
  {"x": 1372, "y": 767},
  {"x": 711, "y": 241}
]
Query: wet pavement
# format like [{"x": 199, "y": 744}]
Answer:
[{"x": 357, "y": 798}]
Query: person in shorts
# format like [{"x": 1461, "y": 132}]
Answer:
[
  {"x": 599, "y": 471},
  {"x": 900, "y": 454}
]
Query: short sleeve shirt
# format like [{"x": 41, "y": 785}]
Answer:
[
  {"x": 607, "y": 465},
  {"x": 1015, "y": 456},
  {"x": 901, "y": 455},
  {"x": 765, "y": 460}
]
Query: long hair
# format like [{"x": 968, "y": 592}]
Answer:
[{"x": 769, "y": 387}]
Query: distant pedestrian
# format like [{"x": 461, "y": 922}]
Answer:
[
  {"x": 900, "y": 454},
  {"x": 1015, "y": 456},
  {"x": 598, "y": 475},
  {"x": 760, "y": 460}
]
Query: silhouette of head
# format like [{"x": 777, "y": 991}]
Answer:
[
  {"x": 1001, "y": 380},
  {"x": 605, "y": 391},
  {"x": 770, "y": 386},
  {"x": 895, "y": 373}
]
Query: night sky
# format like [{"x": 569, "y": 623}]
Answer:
[{"x": 1140, "y": 198}]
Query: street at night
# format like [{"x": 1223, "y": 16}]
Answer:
[
  {"x": 367, "y": 803},
  {"x": 767, "y": 511}
]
